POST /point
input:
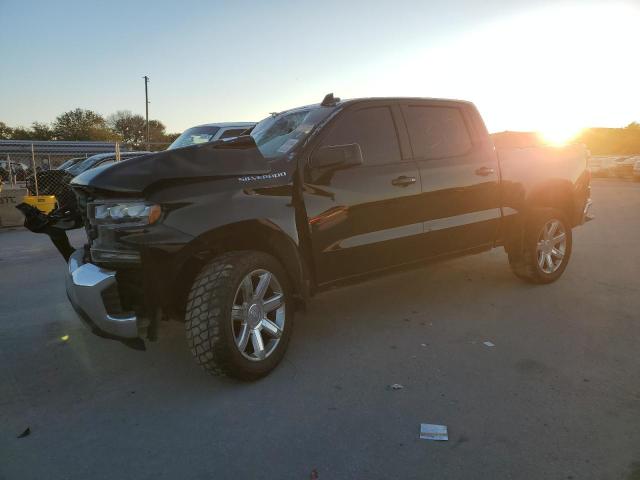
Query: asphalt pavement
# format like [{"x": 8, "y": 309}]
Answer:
[{"x": 556, "y": 397}]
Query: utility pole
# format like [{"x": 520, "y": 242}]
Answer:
[{"x": 146, "y": 106}]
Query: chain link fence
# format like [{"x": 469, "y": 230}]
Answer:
[
  {"x": 43, "y": 171},
  {"x": 40, "y": 173}
]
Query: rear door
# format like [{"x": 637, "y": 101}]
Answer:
[
  {"x": 364, "y": 218},
  {"x": 460, "y": 207}
]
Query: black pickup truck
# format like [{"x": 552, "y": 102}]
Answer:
[{"x": 232, "y": 236}]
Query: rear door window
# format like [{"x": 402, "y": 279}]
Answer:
[
  {"x": 437, "y": 132},
  {"x": 232, "y": 132},
  {"x": 373, "y": 129}
]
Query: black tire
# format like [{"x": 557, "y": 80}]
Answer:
[
  {"x": 524, "y": 263},
  {"x": 209, "y": 328}
]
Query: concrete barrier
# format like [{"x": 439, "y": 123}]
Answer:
[{"x": 9, "y": 215}]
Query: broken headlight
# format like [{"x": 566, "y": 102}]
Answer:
[{"x": 124, "y": 213}]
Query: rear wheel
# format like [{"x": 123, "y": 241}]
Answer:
[
  {"x": 546, "y": 247},
  {"x": 238, "y": 316}
]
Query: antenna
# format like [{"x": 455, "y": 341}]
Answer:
[{"x": 329, "y": 100}]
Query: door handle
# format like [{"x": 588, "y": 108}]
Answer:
[
  {"x": 403, "y": 181},
  {"x": 484, "y": 171}
]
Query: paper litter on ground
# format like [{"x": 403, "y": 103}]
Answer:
[{"x": 433, "y": 432}]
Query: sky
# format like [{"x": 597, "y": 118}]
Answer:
[{"x": 552, "y": 66}]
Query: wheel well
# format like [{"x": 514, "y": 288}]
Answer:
[
  {"x": 252, "y": 235},
  {"x": 558, "y": 196}
]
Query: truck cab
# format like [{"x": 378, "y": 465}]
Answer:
[
  {"x": 428, "y": 185},
  {"x": 231, "y": 236}
]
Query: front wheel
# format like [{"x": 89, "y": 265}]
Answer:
[
  {"x": 238, "y": 316},
  {"x": 546, "y": 247}
]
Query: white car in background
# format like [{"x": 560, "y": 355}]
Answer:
[
  {"x": 602, "y": 166},
  {"x": 210, "y": 132}
]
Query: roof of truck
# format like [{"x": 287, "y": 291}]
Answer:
[
  {"x": 395, "y": 99},
  {"x": 227, "y": 124},
  {"x": 349, "y": 101}
]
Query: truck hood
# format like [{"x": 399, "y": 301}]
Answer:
[{"x": 237, "y": 157}]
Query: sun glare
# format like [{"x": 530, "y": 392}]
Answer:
[
  {"x": 559, "y": 136},
  {"x": 542, "y": 69}
]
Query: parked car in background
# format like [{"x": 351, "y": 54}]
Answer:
[
  {"x": 100, "y": 159},
  {"x": 56, "y": 182},
  {"x": 624, "y": 166},
  {"x": 602, "y": 166},
  {"x": 636, "y": 170},
  {"x": 18, "y": 171},
  {"x": 210, "y": 132},
  {"x": 70, "y": 163}
]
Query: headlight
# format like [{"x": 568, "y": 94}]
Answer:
[{"x": 130, "y": 213}]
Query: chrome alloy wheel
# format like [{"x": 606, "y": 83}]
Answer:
[
  {"x": 552, "y": 244},
  {"x": 258, "y": 315}
]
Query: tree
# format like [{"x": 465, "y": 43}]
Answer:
[
  {"x": 170, "y": 137},
  {"x": 612, "y": 141},
  {"x": 5, "y": 131},
  {"x": 41, "y": 131},
  {"x": 129, "y": 127},
  {"x": 81, "y": 124},
  {"x": 156, "y": 131},
  {"x": 132, "y": 129},
  {"x": 21, "y": 133},
  {"x": 38, "y": 131}
]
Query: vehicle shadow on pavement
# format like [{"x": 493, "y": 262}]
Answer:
[{"x": 399, "y": 305}]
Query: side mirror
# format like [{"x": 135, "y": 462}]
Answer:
[{"x": 337, "y": 156}]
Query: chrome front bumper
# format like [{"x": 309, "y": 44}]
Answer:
[
  {"x": 586, "y": 213},
  {"x": 86, "y": 283}
]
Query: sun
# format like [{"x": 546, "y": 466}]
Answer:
[{"x": 559, "y": 136}]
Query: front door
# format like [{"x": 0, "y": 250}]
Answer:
[{"x": 364, "y": 218}]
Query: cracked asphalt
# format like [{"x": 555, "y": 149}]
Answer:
[{"x": 557, "y": 397}]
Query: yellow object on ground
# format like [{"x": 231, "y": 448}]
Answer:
[{"x": 44, "y": 203}]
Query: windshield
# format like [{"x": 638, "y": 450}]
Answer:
[
  {"x": 80, "y": 167},
  {"x": 280, "y": 133},
  {"x": 194, "y": 136},
  {"x": 70, "y": 162}
]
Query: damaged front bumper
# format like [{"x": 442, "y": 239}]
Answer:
[
  {"x": 587, "y": 215},
  {"x": 91, "y": 291}
]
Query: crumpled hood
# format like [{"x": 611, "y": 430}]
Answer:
[{"x": 237, "y": 157}]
